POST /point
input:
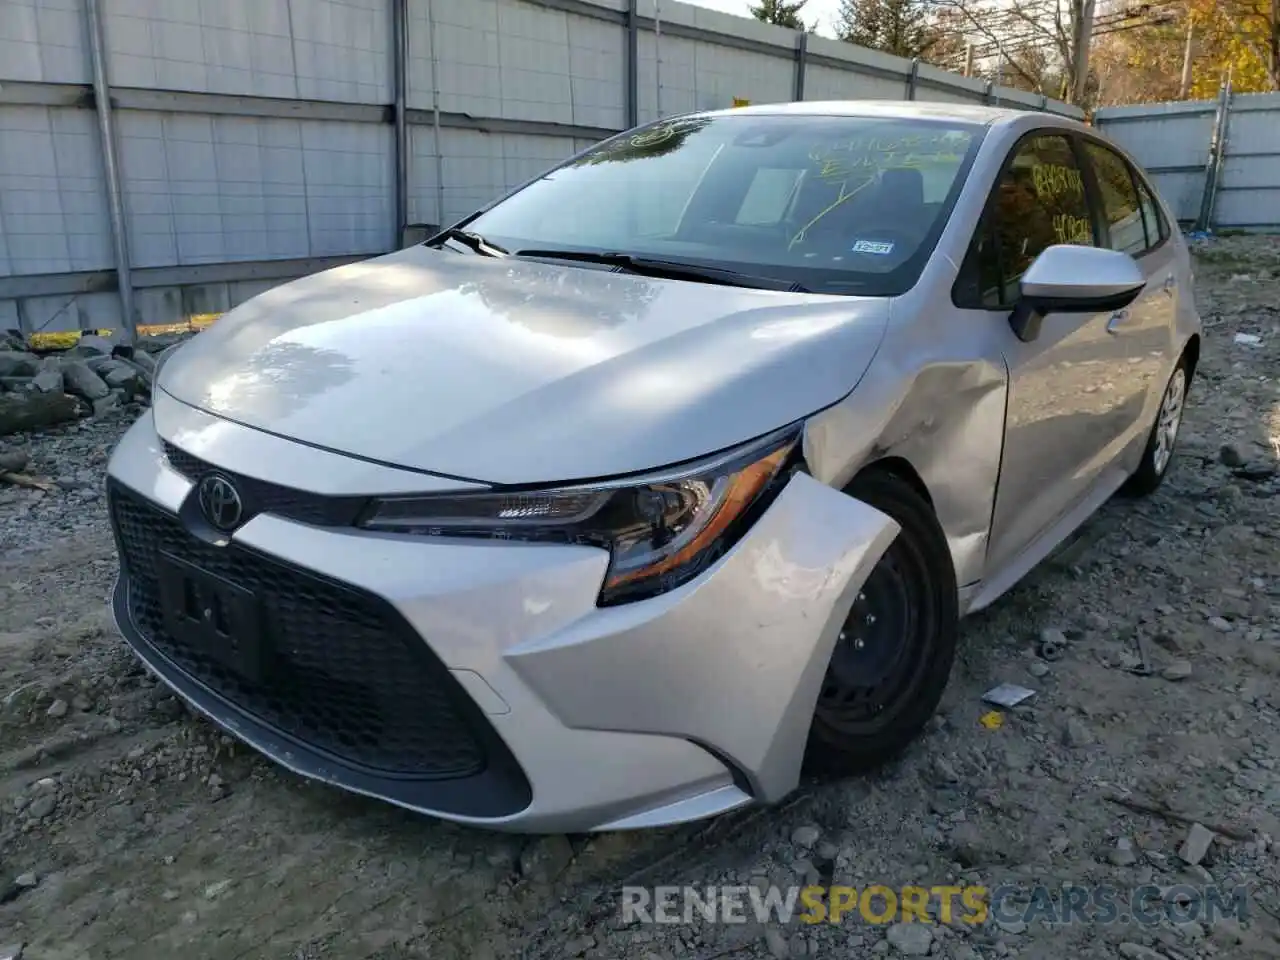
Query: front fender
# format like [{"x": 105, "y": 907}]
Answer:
[{"x": 733, "y": 661}]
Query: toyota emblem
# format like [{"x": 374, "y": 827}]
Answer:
[{"x": 220, "y": 502}]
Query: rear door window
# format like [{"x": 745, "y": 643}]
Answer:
[
  {"x": 1157, "y": 227},
  {"x": 1119, "y": 198}
]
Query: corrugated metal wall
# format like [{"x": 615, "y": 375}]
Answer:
[
  {"x": 1173, "y": 141},
  {"x": 257, "y": 138}
]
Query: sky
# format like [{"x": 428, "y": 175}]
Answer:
[{"x": 824, "y": 11}]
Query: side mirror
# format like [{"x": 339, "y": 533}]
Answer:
[{"x": 1072, "y": 279}]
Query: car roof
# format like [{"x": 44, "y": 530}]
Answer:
[{"x": 903, "y": 109}]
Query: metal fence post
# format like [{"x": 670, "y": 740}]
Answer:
[
  {"x": 437, "y": 137},
  {"x": 913, "y": 75},
  {"x": 802, "y": 56},
  {"x": 633, "y": 64},
  {"x": 111, "y": 166},
  {"x": 399, "y": 73},
  {"x": 1213, "y": 165},
  {"x": 657, "y": 57}
]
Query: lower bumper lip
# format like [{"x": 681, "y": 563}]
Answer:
[{"x": 499, "y": 790}]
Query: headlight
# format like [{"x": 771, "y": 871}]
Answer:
[{"x": 661, "y": 530}]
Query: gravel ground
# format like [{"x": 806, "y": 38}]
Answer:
[{"x": 129, "y": 828}]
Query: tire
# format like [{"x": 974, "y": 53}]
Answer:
[
  {"x": 1163, "y": 438},
  {"x": 891, "y": 664}
]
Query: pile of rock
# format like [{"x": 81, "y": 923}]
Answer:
[{"x": 92, "y": 378}]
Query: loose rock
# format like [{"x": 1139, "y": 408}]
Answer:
[
  {"x": 58, "y": 709},
  {"x": 82, "y": 381},
  {"x": 1196, "y": 845},
  {"x": 217, "y": 889},
  {"x": 1229, "y": 456},
  {"x": 775, "y": 942},
  {"x": 806, "y": 836},
  {"x": 92, "y": 345},
  {"x": 18, "y": 363},
  {"x": 13, "y": 460},
  {"x": 1123, "y": 855},
  {"x": 47, "y": 381},
  {"x": 1178, "y": 670},
  {"x": 910, "y": 939},
  {"x": 20, "y": 412},
  {"x": 42, "y": 806},
  {"x": 1076, "y": 733},
  {"x": 104, "y": 405},
  {"x": 545, "y": 858}
]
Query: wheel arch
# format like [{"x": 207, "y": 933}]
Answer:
[
  {"x": 1191, "y": 351},
  {"x": 901, "y": 468}
]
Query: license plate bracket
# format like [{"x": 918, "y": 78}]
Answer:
[{"x": 216, "y": 617}]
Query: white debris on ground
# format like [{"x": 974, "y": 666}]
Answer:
[{"x": 1149, "y": 754}]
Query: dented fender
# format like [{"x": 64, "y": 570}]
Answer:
[{"x": 733, "y": 661}]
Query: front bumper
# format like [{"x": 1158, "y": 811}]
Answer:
[{"x": 477, "y": 681}]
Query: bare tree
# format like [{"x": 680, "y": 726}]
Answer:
[{"x": 1035, "y": 41}]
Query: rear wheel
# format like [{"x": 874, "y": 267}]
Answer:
[
  {"x": 891, "y": 663},
  {"x": 1158, "y": 453}
]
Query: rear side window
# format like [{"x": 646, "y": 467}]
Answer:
[
  {"x": 1039, "y": 201},
  {"x": 1156, "y": 226},
  {"x": 1119, "y": 198}
]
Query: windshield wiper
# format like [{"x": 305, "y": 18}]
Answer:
[
  {"x": 674, "y": 269},
  {"x": 468, "y": 239}
]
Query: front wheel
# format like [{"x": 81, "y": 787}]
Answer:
[
  {"x": 893, "y": 658},
  {"x": 1158, "y": 453}
]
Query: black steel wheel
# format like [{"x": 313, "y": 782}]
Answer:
[{"x": 892, "y": 660}]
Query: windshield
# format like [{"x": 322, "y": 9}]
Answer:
[{"x": 843, "y": 205}]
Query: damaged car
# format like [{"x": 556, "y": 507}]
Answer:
[{"x": 665, "y": 478}]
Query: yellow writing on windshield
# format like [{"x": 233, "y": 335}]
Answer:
[
  {"x": 838, "y": 168},
  {"x": 655, "y": 136},
  {"x": 845, "y": 196},
  {"x": 1069, "y": 229},
  {"x": 1054, "y": 180},
  {"x": 919, "y": 143}
]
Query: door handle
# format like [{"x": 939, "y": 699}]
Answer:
[
  {"x": 1170, "y": 283},
  {"x": 1117, "y": 321}
]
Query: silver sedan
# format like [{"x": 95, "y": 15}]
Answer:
[{"x": 665, "y": 477}]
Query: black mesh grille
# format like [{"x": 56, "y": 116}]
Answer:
[
  {"x": 342, "y": 672},
  {"x": 259, "y": 496}
]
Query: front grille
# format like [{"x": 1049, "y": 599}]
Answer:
[
  {"x": 259, "y": 496},
  {"x": 344, "y": 674}
]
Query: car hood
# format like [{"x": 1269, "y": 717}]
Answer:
[{"x": 514, "y": 371}]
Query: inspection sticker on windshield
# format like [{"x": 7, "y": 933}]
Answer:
[{"x": 879, "y": 247}]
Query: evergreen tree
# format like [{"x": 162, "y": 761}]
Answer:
[
  {"x": 901, "y": 27},
  {"x": 781, "y": 13}
]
